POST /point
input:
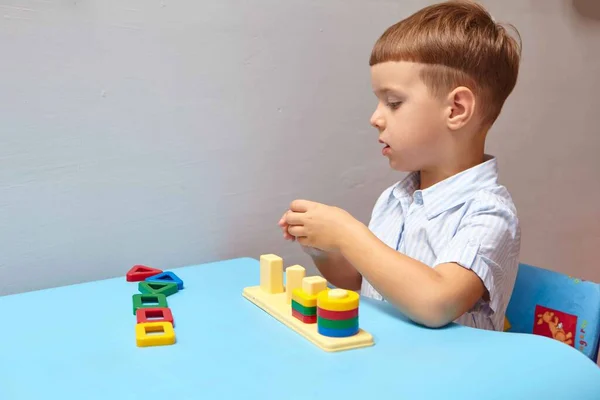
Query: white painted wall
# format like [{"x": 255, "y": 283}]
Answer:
[
  {"x": 549, "y": 136},
  {"x": 176, "y": 132}
]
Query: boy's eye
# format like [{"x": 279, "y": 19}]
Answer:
[{"x": 394, "y": 105}]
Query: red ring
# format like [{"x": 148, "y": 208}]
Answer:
[{"x": 337, "y": 315}]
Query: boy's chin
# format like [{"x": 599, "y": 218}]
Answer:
[{"x": 400, "y": 166}]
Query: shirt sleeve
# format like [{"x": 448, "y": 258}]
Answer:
[{"x": 487, "y": 242}]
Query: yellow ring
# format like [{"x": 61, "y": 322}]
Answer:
[{"x": 350, "y": 302}]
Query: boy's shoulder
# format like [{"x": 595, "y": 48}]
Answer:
[
  {"x": 496, "y": 196},
  {"x": 475, "y": 190}
]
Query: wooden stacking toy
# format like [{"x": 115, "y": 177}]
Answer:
[{"x": 327, "y": 317}]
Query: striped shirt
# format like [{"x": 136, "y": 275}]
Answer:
[{"x": 468, "y": 219}]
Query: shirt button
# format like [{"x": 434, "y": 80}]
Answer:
[{"x": 418, "y": 197}]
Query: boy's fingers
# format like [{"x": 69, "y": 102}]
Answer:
[
  {"x": 285, "y": 229},
  {"x": 296, "y": 231},
  {"x": 294, "y": 218},
  {"x": 282, "y": 220},
  {"x": 301, "y": 205},
  {"x": 287, "y": 236}
]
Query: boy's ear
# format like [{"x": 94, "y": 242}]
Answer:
[{"x": 461, "y": 103}]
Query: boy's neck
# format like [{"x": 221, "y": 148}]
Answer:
[
  {"x": 429, "y": 178},
  {"x": 459, "y": 161}
]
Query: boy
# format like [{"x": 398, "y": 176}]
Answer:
[{"x": 442, "y": 244}]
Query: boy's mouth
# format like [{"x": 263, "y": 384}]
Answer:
[{"x": 386, "y": 147}]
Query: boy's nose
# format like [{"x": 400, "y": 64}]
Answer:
[{"x": 377, "y": 121}]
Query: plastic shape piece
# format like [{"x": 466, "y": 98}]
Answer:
[
  {"x": 293, "y": 279},
  {"x": 338, "y": 324},
  {"x": 140, "y": 272},
  {"x": 167, "y": 276},
  {"x": 309, "y": 311},
  {"x": 149, "y": 301},
  {"x": 307, "y": 319},
  {"x": 154, "y": 334},
  {"x": 337, "y": 315},
  {"x": 166, "y": 288},
  {"x": 271, "y": 273},
  {"x": 156, "y": 314},
  {"x": 338, "y": 300},
  {"x": 338, "y": 333},
  {"x": 301, "y": 297},
  {"x": 313, "y": 285}
]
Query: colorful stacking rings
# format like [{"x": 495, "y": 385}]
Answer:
[{"x": 337, "y": 313}]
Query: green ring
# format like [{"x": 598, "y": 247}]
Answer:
[{"x": 338, "y": 324}]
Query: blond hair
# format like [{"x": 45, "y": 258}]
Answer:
[{"x": 461, "y": 45}]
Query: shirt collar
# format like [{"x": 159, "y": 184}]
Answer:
[{"x": 450, "y": 192}]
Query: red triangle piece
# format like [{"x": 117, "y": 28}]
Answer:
[{"x": 141, "y": 272}]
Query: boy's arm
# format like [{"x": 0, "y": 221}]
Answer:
[
  {"x": 336, "y": 269},
  {"x": 471, "y": 267},
  {"x": 430, "y": 296},
  {"x": 477, "y": 263}
]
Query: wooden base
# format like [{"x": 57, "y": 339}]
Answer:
[{"x": 278, "y": 307}]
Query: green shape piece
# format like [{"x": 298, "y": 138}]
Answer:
[
  {"x": 338, "y": 324},
  {"x": 308, "y": 311},
  {"x": 166, "y": 288},
  {"x": 149, "y": 301}
]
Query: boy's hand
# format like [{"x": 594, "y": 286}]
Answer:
[
  {"x": 313, "y": 252},
  {"x": 317, "y": 225},
  {"x": 284, "y": 227}
]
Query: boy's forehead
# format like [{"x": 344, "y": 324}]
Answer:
[{"x": 392, "y": 75}]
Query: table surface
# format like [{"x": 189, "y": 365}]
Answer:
[{"x": 78, "y": 342}]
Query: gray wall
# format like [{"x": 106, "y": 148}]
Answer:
[{"x": 172, "y": 133}]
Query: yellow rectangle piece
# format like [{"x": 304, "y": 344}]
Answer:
[
  {"x": 271, "y": 273},
  {"x": 312, "y": 285},
  {"x": 304, "y": 299},
  {"x": 144, "y": 333},
  {"x": 293, "y": 279}
]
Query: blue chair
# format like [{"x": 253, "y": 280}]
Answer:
[{"x": 555, "y": 305}]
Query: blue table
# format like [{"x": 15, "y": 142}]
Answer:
[{"x": 78, "y": 342}]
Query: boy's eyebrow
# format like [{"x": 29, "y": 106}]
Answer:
[{"x": 386, "y": 90}]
